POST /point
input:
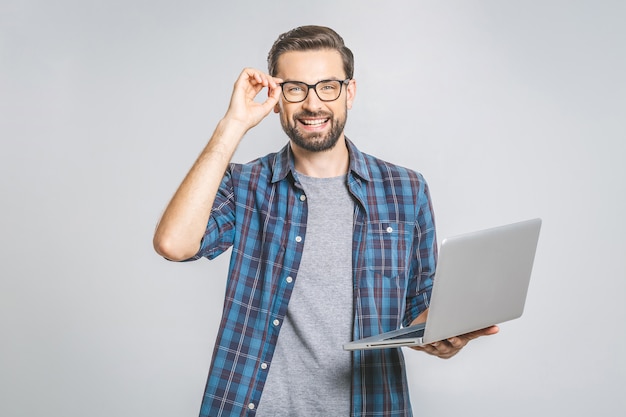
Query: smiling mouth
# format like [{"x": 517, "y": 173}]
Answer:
[{"x": 313, "y": 122}]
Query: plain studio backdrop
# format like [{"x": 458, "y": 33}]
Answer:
[{"x": 510, "y": 109}]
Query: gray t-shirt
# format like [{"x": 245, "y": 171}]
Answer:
[{"x": 310, "y": 373}]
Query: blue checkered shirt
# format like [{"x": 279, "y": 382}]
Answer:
[{"x": 261, "y": 212}]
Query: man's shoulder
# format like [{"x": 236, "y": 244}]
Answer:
[
  {"x": 383, "y": 169},
  {"x": 377, "y": 169},
  {"x": 256, "y": 166},
  {"x": 394, "y": 192}
]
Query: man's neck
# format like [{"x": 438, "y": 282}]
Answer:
[{"x": 325, "y": 164}]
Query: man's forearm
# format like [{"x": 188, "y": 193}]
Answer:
[{"x": 182, "y": 225}]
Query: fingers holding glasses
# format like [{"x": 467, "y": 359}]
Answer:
[
  {"x": 243, "y": 107},
  {"x": 258, "y": 80}
]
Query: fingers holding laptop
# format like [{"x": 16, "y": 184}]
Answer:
[{"x": 445, "y": 349}]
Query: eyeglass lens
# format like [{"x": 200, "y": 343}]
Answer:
[{"x": 326, "y": 90}]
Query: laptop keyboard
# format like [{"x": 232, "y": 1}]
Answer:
[{"x": 411, "y": 335}]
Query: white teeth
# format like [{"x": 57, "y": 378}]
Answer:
[{"x": 313, "y": 122}]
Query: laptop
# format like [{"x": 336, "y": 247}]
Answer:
[{"x": 481, "y": 279}]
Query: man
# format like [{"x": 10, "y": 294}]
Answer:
[{"x": 329, "y": 244}]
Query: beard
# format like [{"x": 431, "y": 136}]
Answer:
[{"x": 314, "y": 142}]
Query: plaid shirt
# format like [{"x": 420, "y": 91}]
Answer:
[{"x": 261, "y": 211}]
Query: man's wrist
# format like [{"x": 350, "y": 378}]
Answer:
[{"x": 228, "y": 126}]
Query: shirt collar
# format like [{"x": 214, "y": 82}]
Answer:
[{"x": 284, "y": 163}]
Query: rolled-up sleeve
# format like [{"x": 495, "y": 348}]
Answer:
[
  {"x": 424, "y": 259},
  {"x": 220, "y": 229}
]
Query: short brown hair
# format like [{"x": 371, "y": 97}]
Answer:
[{"x": 307, "y": 38}]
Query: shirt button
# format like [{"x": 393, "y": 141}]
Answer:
[
  {"x": 263, "y": 365},
  {"x": 251, "y": 406},
  {"x": 289, "y": 280},
  {"x": 298, "y": 239},
  {"x": 389, "y": 229},
  {"x": 276, "y": 322},
  {"x": 302, "y": 197}
]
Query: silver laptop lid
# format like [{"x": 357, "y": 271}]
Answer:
[{"x": 481, "y": 279}]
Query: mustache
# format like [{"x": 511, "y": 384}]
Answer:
[{"x": 312, "y": 115}]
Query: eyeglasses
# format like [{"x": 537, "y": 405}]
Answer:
[{"x": 326, "y": 90}]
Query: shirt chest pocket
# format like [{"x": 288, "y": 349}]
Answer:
[{"x": 388, "y": 247}]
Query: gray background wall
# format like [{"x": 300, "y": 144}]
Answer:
[{"x": 511, "y": 110}]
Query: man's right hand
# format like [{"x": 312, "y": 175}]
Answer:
[{"x": 243, "y": 108}]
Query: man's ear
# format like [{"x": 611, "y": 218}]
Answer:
[
  {"x": 350, "y": 93},
  {"x": 277, "y": 108}
]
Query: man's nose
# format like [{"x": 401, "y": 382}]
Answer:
[{"x": 312, "y": 101}]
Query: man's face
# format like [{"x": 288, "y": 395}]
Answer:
[{"x": 314, "y": 125}]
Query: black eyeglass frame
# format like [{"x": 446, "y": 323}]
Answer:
[{"x": 314, "y": 87}]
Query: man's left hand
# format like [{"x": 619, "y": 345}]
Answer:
[{"x": 445, "y": 349}]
